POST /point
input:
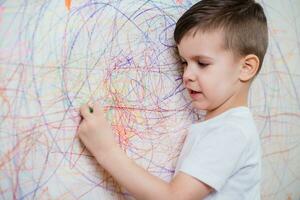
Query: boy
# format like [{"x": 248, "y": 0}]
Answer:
[{"x": 221, "y": 45}]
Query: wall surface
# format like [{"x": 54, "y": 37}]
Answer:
[{"x": 56, "y": 55}]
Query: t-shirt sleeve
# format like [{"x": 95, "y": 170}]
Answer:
[{"x": 215, "y": 157}]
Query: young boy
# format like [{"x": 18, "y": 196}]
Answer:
[{"x": 221, "y": 45}]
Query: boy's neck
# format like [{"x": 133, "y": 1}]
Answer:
[{"x": 214, "y": 113}]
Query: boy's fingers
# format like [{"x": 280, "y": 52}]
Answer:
[
  {"x": 85, "y": 111},
  {"x": 97, "y": 108}
]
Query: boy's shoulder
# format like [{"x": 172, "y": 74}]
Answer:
[
  {"x": 234, "y": 117},
  {"x": 230, "y": 139},
  {"x": 232, "y": 122}
]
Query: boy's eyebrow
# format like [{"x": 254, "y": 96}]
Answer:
[
  {"x": 193, "y": 57},
  {"x": 197, "y": 57},
  {"x": 202, "y": 56}
]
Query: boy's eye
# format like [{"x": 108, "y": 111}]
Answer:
[
  {"x": 183, "y": 63},
  {"x": 202, "y": 65}
]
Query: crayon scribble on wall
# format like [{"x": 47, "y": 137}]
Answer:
[{"x": 56, "y": 55}]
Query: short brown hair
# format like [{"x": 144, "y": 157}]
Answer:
[{"x": 243, "y": 22}]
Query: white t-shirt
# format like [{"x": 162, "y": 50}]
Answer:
[{"x": 224, "y": 152}]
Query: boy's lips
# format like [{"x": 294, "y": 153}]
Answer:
[
  {"x": 194, "y": 91},
  {"x": 195, "y": 94}
]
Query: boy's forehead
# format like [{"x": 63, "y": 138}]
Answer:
[
  {"x": 195, "y": 55},
  {"x": 204, "y": 41},
  {"x": 205, "y": 32}
]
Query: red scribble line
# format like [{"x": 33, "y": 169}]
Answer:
[
  {"x": 7, "y": 157},
  {"x": 279, "y": 115},
  {"x": 287, "y": 150},
  {"x": 68, "y": 4},
  {"x": 106, "y": 108}
]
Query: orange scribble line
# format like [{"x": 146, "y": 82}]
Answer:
[{"x": 68, "y": 4}]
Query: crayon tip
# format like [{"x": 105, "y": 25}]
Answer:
[{"x": 68, "y": 4}]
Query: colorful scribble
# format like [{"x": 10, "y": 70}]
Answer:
[{"x": 120, "y": 54}]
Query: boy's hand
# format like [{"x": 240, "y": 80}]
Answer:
[{"x": 95, "y": 132}]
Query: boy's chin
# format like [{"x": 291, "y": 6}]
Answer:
[{"x": 201, "y": 106}]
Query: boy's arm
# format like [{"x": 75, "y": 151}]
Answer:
[
  {"x": 143, "y": 185},
  {"x": 97, "y": 136}
]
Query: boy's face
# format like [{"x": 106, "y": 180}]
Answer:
[{"x": 211, "y": 73}]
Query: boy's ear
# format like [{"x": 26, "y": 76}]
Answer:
[{"x": 249, "y": 67}]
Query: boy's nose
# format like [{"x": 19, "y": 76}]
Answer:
[{"x": 189, "y": 74}]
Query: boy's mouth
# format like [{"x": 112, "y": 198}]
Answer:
[{"x": 194, "y": 92}]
